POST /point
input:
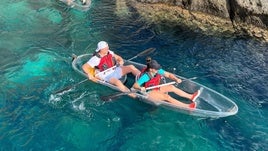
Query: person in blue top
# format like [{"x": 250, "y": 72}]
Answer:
[{"x": 151, "y": 76}]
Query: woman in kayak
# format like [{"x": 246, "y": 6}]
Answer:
[
  {"x": 109, "y": 65},
  {"x": 151, "y": 76}
]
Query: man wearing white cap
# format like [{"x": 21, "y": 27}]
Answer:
[{"x": 110, "y": 65}]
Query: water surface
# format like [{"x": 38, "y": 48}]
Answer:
[{"x": 36, "y": 43}]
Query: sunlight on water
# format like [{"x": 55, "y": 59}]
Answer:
[
  {"x": 53, "y": 15},
  {"x": 32, "y": 67}
]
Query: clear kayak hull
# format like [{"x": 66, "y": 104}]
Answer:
[{"x": 209, "y": 104}]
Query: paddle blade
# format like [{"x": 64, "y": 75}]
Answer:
[
  {"x": 70, "y": 86},
  {"x": 62, "y": 90},
  {"x": 146, "y": 52},
  {"x": 143, "y": 53},
  {"x": 112, "y": 96}
]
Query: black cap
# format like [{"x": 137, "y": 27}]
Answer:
[{"x": 154, "y": 65}]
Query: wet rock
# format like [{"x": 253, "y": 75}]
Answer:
[{"x": 240, "y": 17}]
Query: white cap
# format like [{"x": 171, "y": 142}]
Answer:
[{"x": 101, "y": 45}]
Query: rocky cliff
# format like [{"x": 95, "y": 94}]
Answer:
[{"x": 241, "y": 17}]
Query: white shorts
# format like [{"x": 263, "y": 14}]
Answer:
[{"x": 117, "y": 74}]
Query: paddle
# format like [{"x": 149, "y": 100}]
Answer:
[
  {"x": 143, "y": 53},
  {"x": 161, "y": 85},
  {"x": 70, "y": 86},
  {"x": 116, "y": 95},
  {"x": 119, "y": 94}
]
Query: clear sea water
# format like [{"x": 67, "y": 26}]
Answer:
[{"x": 37, "y": 39}]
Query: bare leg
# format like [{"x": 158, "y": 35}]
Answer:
[
  {"x": 130, "y": 69},
  {"x": 171, "y": 88},
  {"x": 158, "y": 96},
  {"x": 121, "y": 86}
]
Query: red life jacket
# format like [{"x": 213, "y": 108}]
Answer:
[
  {"x": 106, "y": 62},
  {"x": 154, "y": 80}
]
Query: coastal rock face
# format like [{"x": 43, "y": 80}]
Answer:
[
  {"x": 245, "y": 17},
  {"x": 215, "y": 7},
  {"x": 250, "y": 11}
]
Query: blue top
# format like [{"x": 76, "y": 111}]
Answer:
[{"x": 145, "y": 77}]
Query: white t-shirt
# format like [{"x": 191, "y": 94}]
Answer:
[{"x": 95, "y": 61}]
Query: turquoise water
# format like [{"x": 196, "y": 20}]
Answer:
[{"x": 37, "y": 40}]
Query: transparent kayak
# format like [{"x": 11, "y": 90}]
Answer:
[
  {"x": 78, "y": 4},
  {"x": 209, "y": 104}
]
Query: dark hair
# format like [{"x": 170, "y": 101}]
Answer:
[
  {"x": 148, "y": 61},
  {"x": 152, "y": 64}
]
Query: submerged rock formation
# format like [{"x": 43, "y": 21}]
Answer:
[{"x": 242, "y": 17}]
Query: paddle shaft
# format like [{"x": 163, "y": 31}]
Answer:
[
  {"x": 71, "y": 86},
  {"x": 114, "y": 96},
  {"x": 161, "y": 85},
  {"x": 170, "y": 83}
]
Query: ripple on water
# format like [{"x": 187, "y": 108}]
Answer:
[{"x": 83, "y": 135}]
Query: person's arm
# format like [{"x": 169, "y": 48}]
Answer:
[
  {"x": 119, "y": 59},
  {"x": 172, "y": 76},
  {"x": 137, "y": 85},
  {"x": 90, "y": 72}
]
